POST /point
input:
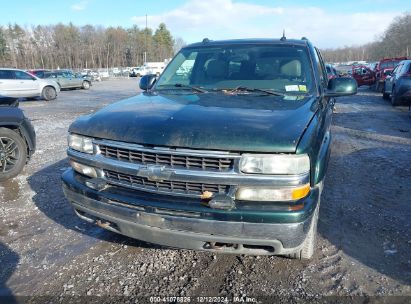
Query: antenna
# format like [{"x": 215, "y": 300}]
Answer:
[{"x": 283, "y": 38}]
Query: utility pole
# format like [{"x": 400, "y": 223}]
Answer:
[{"x": 145, "y": 53}]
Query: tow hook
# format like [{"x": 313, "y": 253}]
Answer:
[
  {"x": 101, "y": 224},
  {"x": 222, "y": 201}
]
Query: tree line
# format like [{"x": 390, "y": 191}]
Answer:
[
  {"x": 394, "y": 42},
  {"x": 78, "y": 47}
]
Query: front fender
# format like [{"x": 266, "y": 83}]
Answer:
[
  {"x": 316, "y": 142},
  {"x": 321, "y": 163}
]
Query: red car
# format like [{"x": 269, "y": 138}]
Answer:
[
  {"x": 363, "y": 75},
  {"x": 383, "y": 68}
]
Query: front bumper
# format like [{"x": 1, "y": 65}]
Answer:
[{"x": 190, "y": 230}]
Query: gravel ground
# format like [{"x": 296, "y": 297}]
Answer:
[{"x": 363, "y": 248}]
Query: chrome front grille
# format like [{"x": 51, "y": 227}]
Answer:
[
  {"x": 164, "y": 187},
  {"x": 168, "y": 158}
]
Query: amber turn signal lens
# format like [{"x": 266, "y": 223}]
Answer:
[{"x": 300, "y": 192}]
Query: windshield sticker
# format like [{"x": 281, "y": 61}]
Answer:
[
  {"x": 296, "y": 88},
  {"x": 302, "y": 88},
  {"x": 290, "y": 88}
]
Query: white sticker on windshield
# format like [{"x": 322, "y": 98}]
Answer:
[{"x": 290, "y": 88}]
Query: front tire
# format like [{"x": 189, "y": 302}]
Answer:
[
  {"x": 13, "y": 153},
  {"x": 394, "y": 99},
  {"x": 385, "y": 95},
  {"x": 49, "y": 93},
  {"x": 85, "y": 85},
  {"x": 377, "y": 86},
  {"x": 307, "y": 251}
]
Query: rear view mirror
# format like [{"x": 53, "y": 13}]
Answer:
[
  {"x": 147, "y": 82},
  {"x": 341, "y": 86}
]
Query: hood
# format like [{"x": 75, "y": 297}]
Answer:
[{"x": 213, "y": 121}]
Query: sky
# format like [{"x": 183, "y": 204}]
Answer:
[{"x": 327, "y": 23}]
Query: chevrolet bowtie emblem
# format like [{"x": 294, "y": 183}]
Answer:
[{"x": 155, "y": 173}]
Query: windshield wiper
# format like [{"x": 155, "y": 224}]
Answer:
[
  {"x": 247, "y": 89},
  {"x": 186, "y": 86}
]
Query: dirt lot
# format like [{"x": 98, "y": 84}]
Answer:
[{"x": 364, "y": 239}]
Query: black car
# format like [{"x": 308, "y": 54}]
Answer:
[
  {"x": 397, "y": 85},
  {"x": 17, "y": 139}
]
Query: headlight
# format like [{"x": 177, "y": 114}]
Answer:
[
  {"x": 289, "y": 164},
  {"x": 84, "y": 169},
  {"x": 269, "y": 194},
  {"x": 80, "y": 143}
]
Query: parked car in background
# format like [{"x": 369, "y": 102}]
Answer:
[
  {"x": 363, "y": 75},
  {"x": 103, "y": 73},
  {"x": 68, "y": 80},
  {"x": 344, "y": 70},
  {"x": 397, "y": 84},
  {"x": 140, "y": 71},
  {"x": 155, "y": 68},
  {"x": 135, "y": 72},
  {"x": 92, "y": 75},
  {"x": 17, "y": 139},
  {"x": 18, "y": 83},
  {"x": 383, "y": 68},
  {"x": 38, "y": 73},
  {"x": 228, "y": 156},
  {"x": 331, "y": 71}
]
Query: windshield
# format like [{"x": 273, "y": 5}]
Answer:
[
  {"x": 389, "y": 64},
  {"x": 278, "y": 68}
]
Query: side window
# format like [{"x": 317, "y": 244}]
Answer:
[
  {"x": 397, "y": 69},
  {"x": 357, "y": 71},
  {"x": 22, "y": 75},
  {"x": 6, "y": 74},
  {"x": 321, "y": 67},
  {"x": 404, "y": 68}
]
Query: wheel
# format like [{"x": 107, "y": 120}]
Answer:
[
  {"x": 49, "y": 93},
  {"x": 394, "y": 99},
  {"x": 385, "y": 96},
  {"x": 307, "y": 251},
  {"x": 86, "y": 85},
  {"x": 13, "y": 153},
  {"x": 138, "y": 75},
  {"x": 377, "y": 86}
]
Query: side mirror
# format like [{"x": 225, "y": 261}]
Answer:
[
  {"x": 341, "y": 86},
  {"x": 147, "y": 82},
  {"x": 388, "y": 73}
]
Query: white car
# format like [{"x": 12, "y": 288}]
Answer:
[{"x": 17, "y": 83}]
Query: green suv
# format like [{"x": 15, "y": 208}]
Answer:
[
  {"x": 68, "y": 80},
  {"x": 225, "y": 152}
]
